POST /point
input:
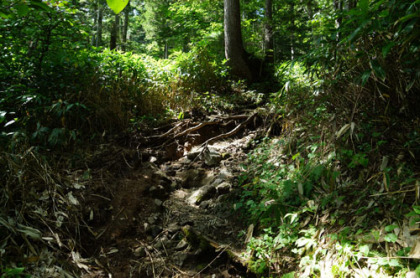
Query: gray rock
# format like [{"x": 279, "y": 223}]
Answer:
[
  {"x": 193, "y": 155},
  {"x": 158, "y": 202},
  {"x": 173, "y": 228},
  {"x": 140, "y": 252},
  {"x": 211, "y": 158},
  {"x": 181, "y": 245},
  {"x": 191, "y": 178},
  {"x": 158, "y": 191},
  {"x": 223, "y": 188},
  {"x": 202, "y": 194},
  {"x": 180, "y": 258}
]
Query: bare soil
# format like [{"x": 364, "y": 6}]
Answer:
[{"x": 164, "y": 206}]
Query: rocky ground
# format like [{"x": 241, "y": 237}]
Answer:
[{"x": 170, "y": 213}]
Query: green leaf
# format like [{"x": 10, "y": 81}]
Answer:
[
  {"x": 378, "y": 70},
  {"x": 37, "y": 4},
  {"x": 117, "y": 5},
  {"x": 364, "y": 249},
  {"x": 394, "y": 263},
  {"x": 2, "y": 116},
  {"x": 390, "y": 228},
  {"x": 364, "y": 5},
  {"x": 22, "y": 9},
  {"x": 391, "y": 238},
  {"x": 417, "y": 271},
  {"x": 387, "y": 48},
  {"x": 289, "y": 275},
  {"x": 365, "y": 77}
]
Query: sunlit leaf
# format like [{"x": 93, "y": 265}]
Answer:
[
  {"x": 391, "y": 238},
  {"x": 117, "y": 5},
  {"x": 390, "y": 228}
]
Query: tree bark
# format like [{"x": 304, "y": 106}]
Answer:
[
  {"x": 268, "y": 32},
  {"x": 234, "y": 49},
  {"x": 292, "y": 30},
  {"x": 114, "y": 33},
  {"x": 125, "y": 27},
  {"x": 99, "y": 19}
]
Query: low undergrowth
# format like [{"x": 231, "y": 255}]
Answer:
[{"x": 331, "y": 198}]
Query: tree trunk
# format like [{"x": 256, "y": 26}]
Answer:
[
  {"x": 99, "y": 19},
  {"x": 114, "y": 33},
  {"x": 292, "y": 30},
  {"x": 268, "y": 32},
  {"x": 125, "y": 27},
  {"x": 234, "y": 49}
]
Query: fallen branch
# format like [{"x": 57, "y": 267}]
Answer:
[{"x": 230, "y": 133}]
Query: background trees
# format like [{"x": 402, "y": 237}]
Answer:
[{"x": 347, "y": 110}]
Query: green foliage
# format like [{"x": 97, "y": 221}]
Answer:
[
  {"x": 13, "y": 273},
  {"x": 117, "y": 5}
]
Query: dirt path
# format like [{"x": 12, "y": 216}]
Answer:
[{"x": 169, "y": 213}]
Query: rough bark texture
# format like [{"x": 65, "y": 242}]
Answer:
[
  {"x": 125, "y": 27},
  {"x": 268, "y": 32},
  {"x": 234, "y": 49},
  {"x": 114, "y": 33},
  {"x": 99, "y": 19}
]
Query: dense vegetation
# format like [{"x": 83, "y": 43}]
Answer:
[{"x": 332, "y": 188}]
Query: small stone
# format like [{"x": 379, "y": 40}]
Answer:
[
  {"x": 211, "y": 158},
  {"x": 173, "y": 227},
  {"x": 192, "y": 155},
  {"x": 223, "y": 188},
  {"x": 174, "y": 186},
  {"x": 158, "y": 202},
  {"x": 204, "y": 193},
  {"x": 181, "y": 245},
  {"x": 191, "y": 178},
  {"x": 180, "y": 258},
  {"x": 139, "y": 252},
  {"x": 205, "y": 204},
  {"x": 155, "y": 230}
]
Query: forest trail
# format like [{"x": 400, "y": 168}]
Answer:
[{"x": 162, "y": 206}]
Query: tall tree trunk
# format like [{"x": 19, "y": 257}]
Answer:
[
  {"x": 114, "y": 33},
  {"x": 292, "y": 30},
  {"x": 99, "y": 19},
  {"x": 234, "y": 49},
  {"x": 125, "y": 27},
  {"x": 268, "y": 32}
]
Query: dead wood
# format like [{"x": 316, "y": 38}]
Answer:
[{"x": 230, "y": 133}]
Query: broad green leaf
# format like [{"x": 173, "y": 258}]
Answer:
[
  {"x": 378, "y": 70},
  {"x": 417, "y": 270},
  {"x": 364, "y": 5},
  {"x": 289, "y": 275},
  {"x": 37, "y": 4},
  {"x": 387, "y": 48},
  {"x": 22, "y": 9},
  {"x": 117, "y": 5},
  {"x": 391, "y": 238},
  {"x": 364, "y": 249},
  {"x": 2, "y": 116},
  {"x": 365, "y": 77},
  {"x": 390, "y": 228}
]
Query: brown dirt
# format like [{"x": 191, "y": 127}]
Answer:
[{"x": 138, "y": 216}]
